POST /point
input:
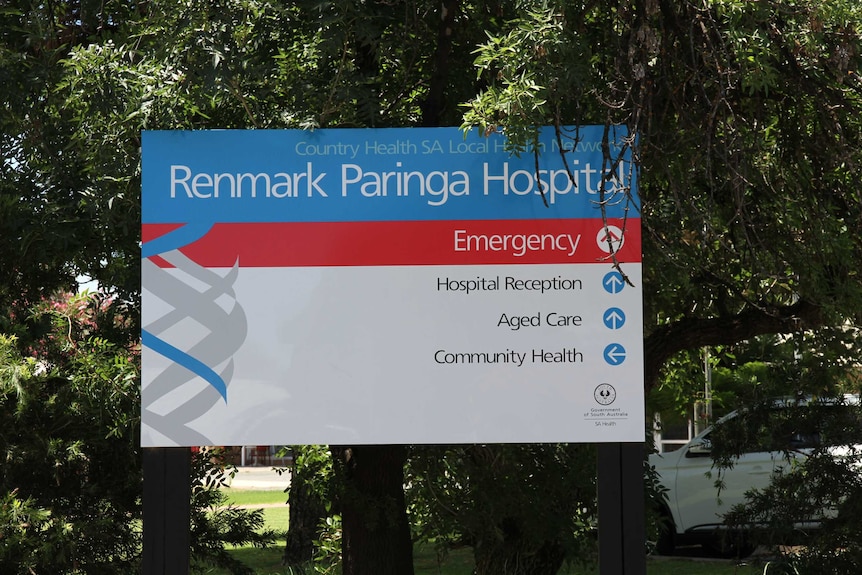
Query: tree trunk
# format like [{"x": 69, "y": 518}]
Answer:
[
  {"x": 375, "y": 531},
  {"x": 434, "y": 105},
  {"x": 307, "y": 510}
]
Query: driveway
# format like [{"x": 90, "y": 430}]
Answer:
[{"x": 261, "y": 478}]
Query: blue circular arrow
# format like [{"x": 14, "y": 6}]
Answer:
[
  {"x": 614, "y": 318},
  {"x": 613, "y": 282},
  {"x": 615, "y": 354}
]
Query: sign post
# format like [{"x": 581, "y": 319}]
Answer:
[
  {"x": 622, "y": 513},
  {"x": 416, "y": 285},
  {"x": 166, "y": 510}
]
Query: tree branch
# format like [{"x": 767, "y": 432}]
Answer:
[{"x": 690, "y": 333}]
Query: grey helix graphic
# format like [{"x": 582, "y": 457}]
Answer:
[{"x": 208, "y": 300}]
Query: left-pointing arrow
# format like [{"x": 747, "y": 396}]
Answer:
[{"x": 615, "y": 354}]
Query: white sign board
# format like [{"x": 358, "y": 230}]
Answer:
[{"x": 388, "y": 286}]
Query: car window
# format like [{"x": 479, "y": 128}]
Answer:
[
  {"x": 805, "y": 440},
  {"x": 786, "y": 429},
  {"x": 755, "y": 432}
]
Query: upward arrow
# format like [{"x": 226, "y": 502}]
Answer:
[
  {"x": 614, "y": 283},
  {"x": 614, "y": 318},
  {"x": 611, "y": 236}
]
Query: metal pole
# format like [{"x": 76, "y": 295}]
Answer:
[
  {"x": 166, "y": 510},
  {"x": 622, "y": 511}
]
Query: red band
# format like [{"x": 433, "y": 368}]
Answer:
[{"x": 477, "y": 242}]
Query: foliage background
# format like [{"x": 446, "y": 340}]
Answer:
[{"x": 748, "y": 116}]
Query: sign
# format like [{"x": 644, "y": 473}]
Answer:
[{"x": 389, "y": 286}]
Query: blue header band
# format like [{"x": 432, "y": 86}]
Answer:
[{"x": 396, "y": 174}]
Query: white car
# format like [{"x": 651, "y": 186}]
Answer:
[{"x": 695, "y": 506}]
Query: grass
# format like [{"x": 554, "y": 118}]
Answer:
[
  {"x": 273, "y": 504},
  {"x": 426, "y": 561},
  {"x": 255, "y": 497}
]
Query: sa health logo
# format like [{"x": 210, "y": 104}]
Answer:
[{"x": 605, "y": 394}]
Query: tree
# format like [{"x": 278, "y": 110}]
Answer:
[
  {"x": 747, "y": 117},
  {"x": 818, "y": 480},
  {"x": 523, "y": 508},
  {"x": 214, "y": 522},
  {"x": 71, "y": 481},
  {"x": 71, "y": 484},
  {"x": 310, "y": 495},
  {"x": 376, "y": 531},
  {"x": 70, "y": 208}
]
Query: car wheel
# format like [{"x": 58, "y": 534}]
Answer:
[
  {"x": 666, "y": 543},
  {"x": 732, "y": 545}
]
